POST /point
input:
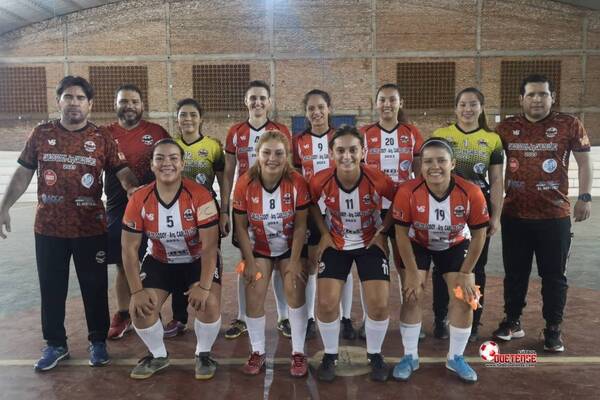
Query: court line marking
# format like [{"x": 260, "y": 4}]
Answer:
[{"x": 76, "y": 362}]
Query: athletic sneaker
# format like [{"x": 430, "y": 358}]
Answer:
[
  {"x": 326, "y": 370},
  {"x": 98, "y": 354},
  {"x": 148, "y": 366},
  {"x": 508, "y": 330},
  {"x": 237, "y": 328},
  {"x": 119, "y": 326},
  {"x": 462, "y": 369},
  {"x": 404, "y": 369},
  {"x": 362, "y": 333},
  {"x": 380, "y": 371},
  {"x": 174, "y": 328},
  {"x": 440, "y": 329},
  {"x": 284, "y": 327},
  {"x": 348, "y": 331},
  {"x": 205, "y": 366},
  {"x": 51, "y": 355},
  {"x": 255, "y": 364},
  {"x": 552, "y": 339},
  {"x": 311, "y": 329},
  {"x": 299, "y": 366}
]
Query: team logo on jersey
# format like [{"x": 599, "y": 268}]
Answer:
[
  {"x": 150, "y": 216},
  {"x": 287, "y": 198},
  {"x": 483, "y": 143},
  {"x": 405, "y": 165},
  {"x": 243, "y": 164},
  {"x": 243, "y": 137},
  {"x": 306, "y": 146},
  {"x": 421, "y": 209},
  {"x": 459, "y": 211},
  {"x": 201, "y": 178},
  {"x": 130, "y": 224},
  {"x": 52, "y": 142},
  {"x": 49, "y": 177},
  {"x": 87, "y": 180},
  {"x": 516, "y": 132},
  {"x": 367, "y": 199},
  {"x": 254, "y": 199},
  {"x": 374, "y": 139},
  {"x": 203, "y": 153},
  {"x": 549, "y": 165},
  {"x": 100, "y": 257},
  {"x": 321, "y": 267},
  {"x": 52, "y": 199},
  {"x": 147, "y": 140},
  {"x": 89, "y": 146},
  {"x": 188, "y": 214},
  {"x": 513, "y": 164},
  {"x": 479, "y": 168},
  {"x": 404, "y": 139},
  {"x": 551, "y": 132},
  {"x": 330, "y": 199},
  {"x": 216, "y": 274}
]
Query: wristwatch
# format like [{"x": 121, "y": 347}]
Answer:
[{"x": 585, "y": 197}]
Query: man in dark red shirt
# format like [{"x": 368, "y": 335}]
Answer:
[
  {"x": 536, "y": 213},
  {"x": 69, "y": 155},
  {"x": 135, "y": 139}
]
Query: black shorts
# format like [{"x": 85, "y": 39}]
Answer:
[
  {"x": 371, "y": 264},
  {"x": 449, "y": 260},
  {"x": 174, "y": 278},
  {"x": 312, "y": 232},
  {"x": 114, "y": 219},
  {"x": 391, "y": 231},
  {"x": 283, "y": 256}
]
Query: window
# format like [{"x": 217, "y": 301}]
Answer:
[
  {"x": 220, "y": 87},
  {"x": 23, "y": 90},
  {"x": 106, "y": 80},
  {"x": 513, "y": 72},
  {"x": 425, "y": 85},
  {"x": 299, "y": 123}
]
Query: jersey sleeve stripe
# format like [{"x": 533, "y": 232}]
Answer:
[
  {"x": 303, "y": 207},
  {"x": 128, "y": 229},
  {"x": 479, "y": 226},
  {"x": 238, "y": 211},
  {"x": 26, "y": 164},
  {"x": 403, "y": 223},
  {"x": 209, "y": 224}
]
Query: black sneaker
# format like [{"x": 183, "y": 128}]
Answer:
[
  {"x": 474, "y": 337},
  {"x": 311, "y": 329},
  {"x": 508, "y": 330},
  {"x": 380, "y": 371},
  {"x": 552, "y": 340},
  {"x": 362, "y": 333},
  {"x": 440, "y": 329},
  {"x": 285, "y": 328},
  {"x": 348, "y": 331},
  {"x": 326, "y": 370},
  {"x": 237, "y": 328}
]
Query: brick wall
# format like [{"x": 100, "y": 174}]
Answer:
[{"x": 348, "y": 47}]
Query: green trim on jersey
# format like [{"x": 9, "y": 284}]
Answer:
[
  {"x": 474, "y": 152},
  {"x": 203, "y": 158}
]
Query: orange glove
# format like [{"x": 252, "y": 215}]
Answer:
[
  {"x": 240, "y": 270},
  {"x": 458, "y": 293}
]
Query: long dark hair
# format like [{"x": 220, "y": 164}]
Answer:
[
  {"x": 482, "y": 120},
  {"x": 325, "y": 96},
  {"x": 402, "y": 118}
]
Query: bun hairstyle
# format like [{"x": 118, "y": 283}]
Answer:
[{"x": 438, "y": 143}]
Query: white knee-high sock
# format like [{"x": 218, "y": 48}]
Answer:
[
  {"x": 311, "y": 294},
  {"x": 375, "y": 331},
  {"x": 206, "y": 334},
  {"x": 279, "y": 291},
  {"x": 241, "y": 290},
  {"x": 363, "y": 303},
  {"x": 459, "y": 338},
  {"x": 298, "y": 322},
  {"x": 153, "y": 339},
  {"x": 256, "y": 331},
  {"x": 410, "y": 339},
  {"x": 346, "y": 302},
  {"x": 330, "y": 334}
]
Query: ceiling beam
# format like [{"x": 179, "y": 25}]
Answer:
[
  {"x": 38, "y": 6},
  {"x": 13, "y": 15}
]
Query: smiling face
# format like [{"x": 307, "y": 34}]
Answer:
[
  {"x": 258, "y": 102},
  {"x": 74, "y": 105},
  {"x": 347, "y": 153},
  {"x": 537, "y": 100},
  {"x": 129, "y": 107},
  {"x": 468, "y": 109},
  {"x": 317, "y": 112},
  {"x": 388, "y": 104},
  {"x": 436, "y": 165},
  {"x": 167, "y": 163},
  {"x": 189, "y": 120},
  {"x": 272, "y": 157}
]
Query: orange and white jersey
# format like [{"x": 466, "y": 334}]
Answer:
[
  {"x": 242, "y": 139},
  {"x": 438, "y": 224},
  {"x": 354, "y": 215},
  {"x": 311, "y": 153},
  {"x": 271, "y": 213},
  {"x": 392, "y": 151},
  {"x": 172, "y": 229}
]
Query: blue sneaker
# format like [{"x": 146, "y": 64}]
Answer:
[
  {"x": 98, "y": 354},
  {"x": 404, "y": 369},
  {"x": 51, "y": 355},
  {"x": 462, "y": 369}
]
